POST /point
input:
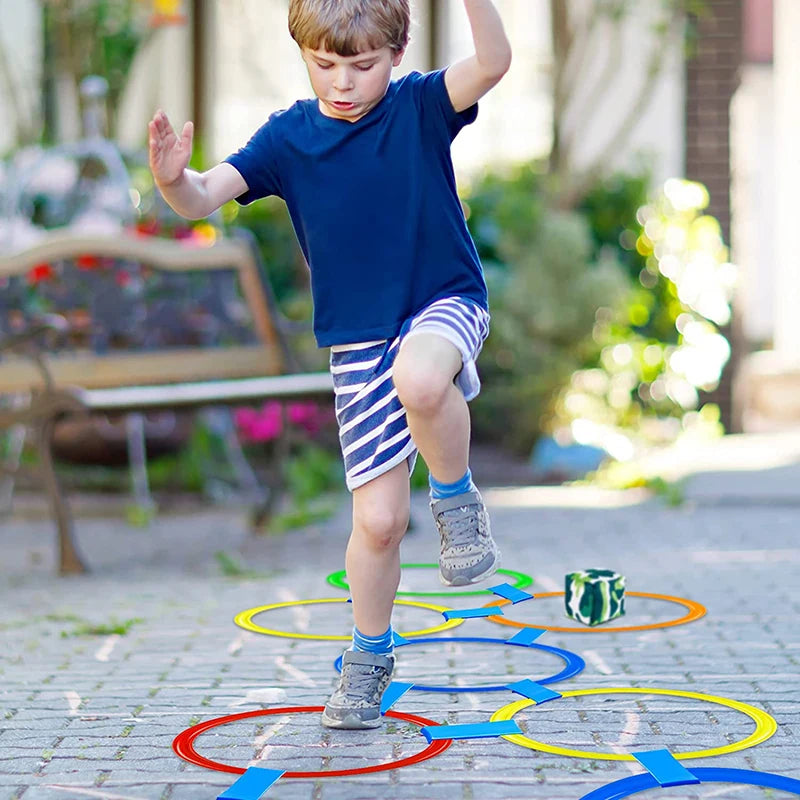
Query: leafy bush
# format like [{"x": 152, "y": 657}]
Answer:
[
  {"x": 546, "y": 280},
  {"x": 663, "y": 346}
]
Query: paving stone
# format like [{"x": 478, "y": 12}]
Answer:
[{"x": 98, "y": 714}]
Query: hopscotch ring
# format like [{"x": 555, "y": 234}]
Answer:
[
  {"x": 634, "y": 784},
  {"x": 573, "y": 663},
  {"x": 183, "y": 744},
  {"x": 765, "y": 725},
  {"x": 339, "y": 580},
  {"x": 695, "y": 612},
  {"x": 244, "y": 619}
]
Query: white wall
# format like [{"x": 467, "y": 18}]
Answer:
[
  {"x": 514, "y": 119},
  {"x": 787, "y": 178},
  {"x": 753, "y": 201},
  {"x": 258, "y": 70},
  {"x": 257, "y": 67},
  {"x": 159, "y": 77},
  {"x": 603, "y": 98},
  {"x": 21, "y": 41}
]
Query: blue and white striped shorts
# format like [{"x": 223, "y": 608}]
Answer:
[{"x": 373, "y": 431}]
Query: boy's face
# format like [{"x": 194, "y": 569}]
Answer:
[{"x": 348, "y": 87}]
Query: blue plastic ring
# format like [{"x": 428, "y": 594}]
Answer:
[
  {"x": 639, "y": 783},
  {"x": 574, "y": 663}
]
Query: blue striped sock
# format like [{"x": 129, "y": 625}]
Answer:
[
  {"x": 441, "y": 490},
  {"x": 383, "y": 645}
]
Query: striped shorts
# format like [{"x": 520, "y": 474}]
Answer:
[{"x": 373, "y": 431}]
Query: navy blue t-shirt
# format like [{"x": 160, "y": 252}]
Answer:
[{"x": 374, "y": 206}]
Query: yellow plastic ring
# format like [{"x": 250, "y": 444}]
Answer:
[
  {"x": 244, "y": 619},
  {"x": 765, "y": 725}
]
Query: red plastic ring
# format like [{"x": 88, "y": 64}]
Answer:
[{"x": 183, "y": 745}]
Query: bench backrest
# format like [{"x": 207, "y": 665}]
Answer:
[{"x": 139, "y": 311}]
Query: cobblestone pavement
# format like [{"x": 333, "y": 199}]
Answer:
[{"x": 86, "y": 715}]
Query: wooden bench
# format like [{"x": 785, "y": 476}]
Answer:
[{"x": 142, "y": 324}]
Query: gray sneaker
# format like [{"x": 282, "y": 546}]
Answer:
[
  {"x": 356, "y": 701},
  {"x": 468, "y": 553}
]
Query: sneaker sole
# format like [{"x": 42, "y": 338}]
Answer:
[
  {"x": 351, "y": 722},
  {"x": 463, "y": 581}
]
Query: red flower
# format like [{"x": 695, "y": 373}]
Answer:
[
  {"x": 87, "y": 262},
  {"x": 39, "y": 273},
  {"x": 148, "y": 227}
]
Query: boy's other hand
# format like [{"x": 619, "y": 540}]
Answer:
[{"x": 169, "y": 153}]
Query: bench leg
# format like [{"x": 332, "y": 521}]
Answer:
[
  {"x": 69, "y": 562},
  {"x": 262, "y": 513},
  {"x": 220, "y": 421},
  {"x": 16, "y": 439},
  {"x": 137, "y": 461}
]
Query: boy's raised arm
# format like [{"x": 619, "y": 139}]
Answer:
[
  {"x": 469, "y": 80},
  {"x": 193, "y": 195}
]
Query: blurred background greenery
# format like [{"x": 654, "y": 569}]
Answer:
[{"x": 608, "y": 291}]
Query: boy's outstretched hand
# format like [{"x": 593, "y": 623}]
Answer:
[{"x": 169, "y": 153}]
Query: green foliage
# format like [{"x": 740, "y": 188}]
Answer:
[
  {"x": 546, "y": 280},
  {"x": 94, "y": 37},
  {"x": 140, "y": 516},
  {"x": 187, "y": 469},
  {"x": 311, "y": 472},
  {"x": 113, "y": 626},
  {"x": 605, "y": 317},
  {"x": 269, "y": 221},
  {"x": 662, "y": 346},
  {"x": 230, "y": 567},
  {"x": 419, "y": 475}
]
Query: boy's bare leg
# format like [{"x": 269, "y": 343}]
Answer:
[
  {"x": 437, "y": 413},
  {"x": 438, "y": 419},
  {"x": 380, "y": 519}
]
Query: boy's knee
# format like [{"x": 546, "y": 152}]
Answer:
[
  {"x": 381, "y": 527},
  {"x": 421, "y": 386}
]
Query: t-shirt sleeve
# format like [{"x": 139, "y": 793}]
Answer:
[
  {"x": 257, "y": 163},
  {"x": 436, "y": 106}
]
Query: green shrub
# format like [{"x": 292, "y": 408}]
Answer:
[
  {"x": 663, "y": 347},
  {"x": 546, "y": 281}
]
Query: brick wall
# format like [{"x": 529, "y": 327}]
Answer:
[{"x": 712, "y": 76}]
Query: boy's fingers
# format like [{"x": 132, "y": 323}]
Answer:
[{"x": 162, "y": 123}]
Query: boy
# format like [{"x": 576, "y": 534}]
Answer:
[{"x": 398, "y": 289}]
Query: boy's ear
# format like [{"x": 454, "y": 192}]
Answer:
[{"x": 398, "y": 57}]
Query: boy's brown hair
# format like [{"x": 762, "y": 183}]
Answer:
[{"x": 350, "y": 27}]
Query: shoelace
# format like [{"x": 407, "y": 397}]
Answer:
[
  {"x": 359, "y": 681},
  {"x": 459, "y": 530}
]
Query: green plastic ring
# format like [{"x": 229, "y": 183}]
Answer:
[{"x": 339, "y": 580}]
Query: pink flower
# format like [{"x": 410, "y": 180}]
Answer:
[
  {"x": 261, "y": 425},
  {"x": 306, "y": 416}
]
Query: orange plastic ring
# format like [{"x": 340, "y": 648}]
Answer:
[{"x": 695, "y": 612}]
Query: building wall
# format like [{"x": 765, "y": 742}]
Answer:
[
  {"x": 613, "y": 77},
  {"x": 787, "y": 178},
  {"x": 753, "y": 202},
  {"x": 712, "y": 77},
  {"x": 514, "y": 122},
  {"x": 257, "y": 69}
]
